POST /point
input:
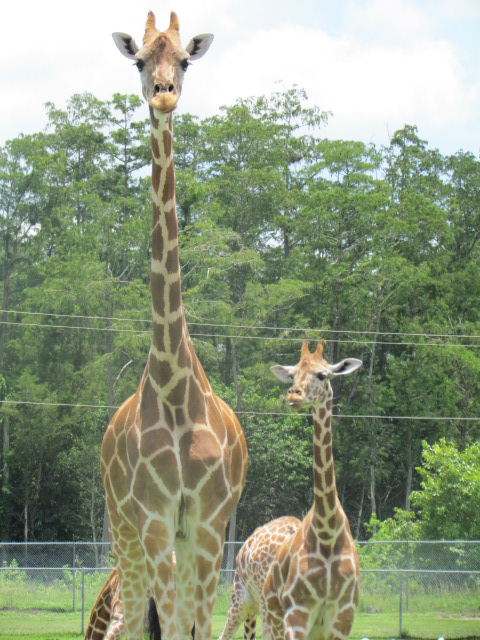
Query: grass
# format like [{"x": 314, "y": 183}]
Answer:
[
  {"x": 36, "y": 611},
  {"x": 66, "y": 626}
]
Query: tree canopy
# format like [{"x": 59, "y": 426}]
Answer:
[{"x": 284, "y": 235}]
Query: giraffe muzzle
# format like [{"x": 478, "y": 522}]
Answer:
[
  {"x": 295, "y": 399},
  {"x": 164, "y": 101}
]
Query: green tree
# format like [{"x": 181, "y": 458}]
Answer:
[{"x": 446, "y": 472}]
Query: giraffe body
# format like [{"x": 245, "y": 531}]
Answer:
[
  {"x": 311, "y": 589},
  {"x": 174, "y": 457},
  {"x": 253, "y": 562}
]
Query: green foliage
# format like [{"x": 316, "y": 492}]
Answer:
[
  {"x": 283, "y": 235},
  {"x": 449, "y": 491}
]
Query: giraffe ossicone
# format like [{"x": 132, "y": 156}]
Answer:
[
  {"x": 311, "y": 589},
  {"x": 174, "y": 457}
]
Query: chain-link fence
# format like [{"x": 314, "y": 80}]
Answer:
[{"x": 414, "y": 589}]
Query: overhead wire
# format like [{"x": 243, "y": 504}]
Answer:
[
  {"x": 249, "y": 326},
  {"x": 339, "y": 416},
  {"x": 345, "y": 332},
  {"x": 283, "y": 338}
]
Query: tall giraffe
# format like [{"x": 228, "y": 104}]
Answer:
[
  {"x": 311, "y": 589},
  {"x": 253, "y": 562},
  {"x": 174, "y": 457}
]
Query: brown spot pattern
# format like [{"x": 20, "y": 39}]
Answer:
[
  {"x": 158, "y": 293},
  {"x": 176, "y": 397},
  {"x": 157, "y": 241},
  {"x": 167, "y": 143},
  {"x": 169, "y": 189},
  {"x": 172, "y": 261}
]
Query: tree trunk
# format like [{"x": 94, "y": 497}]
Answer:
[
  {"x": 235, "y": 377},
  {"x": 111, "y": 401},
  {"x": 92, "y": 517},
  {"x": 373, "y": 499},
  {"x": 360, "y": 513},
  {"x": 38, "y": 484},
  {"x": 371, "y": 404},
  {"x": 6, "y": 291},
  {"x": 5, "y": 499},
  {"x": 25, "y": 526},
  {"x": 232, "y": 532},
  {"x": 409, "y": 469}
]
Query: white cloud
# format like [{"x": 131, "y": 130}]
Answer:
[
  {"x": 368, "y": 85},
  {"x": 388, "y": 63}
]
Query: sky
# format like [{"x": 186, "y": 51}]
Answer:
[{"x": 375, "y": 64}]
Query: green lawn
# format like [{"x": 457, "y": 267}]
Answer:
[
  {"x": 54, "y": 626},
  {"x": 43, "y": 625},
  {"x": 454, "y": 615}
]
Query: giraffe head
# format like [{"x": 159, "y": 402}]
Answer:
[
  {"x": 309, "y": 378},
  {"x": 162, "y": 61}
]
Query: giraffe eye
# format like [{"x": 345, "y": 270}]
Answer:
[
  {"x": 321, "y": 376},
  {"x": 140, "y": 64},
  {"x": 185, "y": 64}
]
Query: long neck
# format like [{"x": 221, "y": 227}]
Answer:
[
  {"x": 328, "y": 514},
  {"x": 169, "y": 326}
]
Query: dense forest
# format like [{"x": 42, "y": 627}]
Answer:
[{"x": 284, "y": 235}]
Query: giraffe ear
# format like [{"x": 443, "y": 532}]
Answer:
[
  {"x": 286, "y": 374},
  {"x": 198, "y": 46},
  {"x": 126, "y": 44},
  {"x": 345, "y": 367}
]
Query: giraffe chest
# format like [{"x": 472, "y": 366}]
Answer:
[{"x": 309, "y": 571}]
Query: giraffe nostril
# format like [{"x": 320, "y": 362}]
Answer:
[
  {"x": 156, "y": 89},
  {"x": 170, "y": 88}
]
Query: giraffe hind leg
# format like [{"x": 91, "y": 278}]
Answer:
[
  {"x": 250, "y": 628},
  {"x": 128, "y": 610},
  {"x": 239, "y": 611}
]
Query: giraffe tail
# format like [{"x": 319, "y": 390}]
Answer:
[{"x": 154, "y": 631}]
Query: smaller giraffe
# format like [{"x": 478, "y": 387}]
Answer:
[
  {"x": 311, "y": 589},
  {"x": 106, "y": 618},
  {"x": 253, "y": 562},
  {"x": 107, "y": 612}
]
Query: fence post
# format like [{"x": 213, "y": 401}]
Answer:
[
  {"x": 83, "y": 603},
  {"x": 407, "y": 575},
  {"x": 73, "y": 589},
  {"x": 73, "y": 575},
  {"x": 400, "y": 623}
]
